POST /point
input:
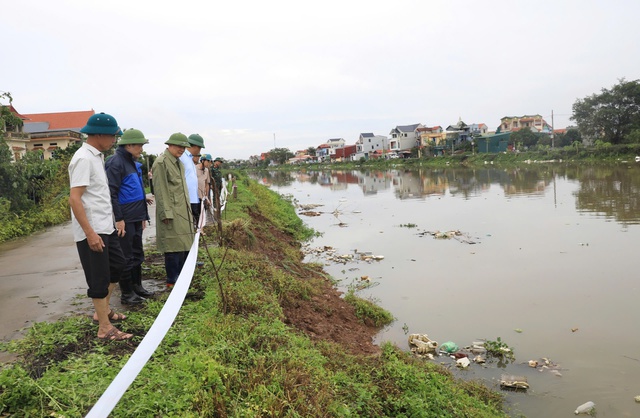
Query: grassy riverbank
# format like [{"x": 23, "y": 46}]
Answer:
[{"x": 260, "y": 334}]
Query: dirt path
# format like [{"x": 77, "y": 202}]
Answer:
[{"x": 41, "y": 279}]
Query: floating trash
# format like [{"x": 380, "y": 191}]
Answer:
[
  {"x": 309, "y": 206},
  {"x": 421, "y": 344},
  {"x": 586, "y": 408},
  {"x": 463, "y": 362},
  {"x": 449, "y": 347},
  {"x": 513, "y": 382},
  {"x": 455, "y": 234}
]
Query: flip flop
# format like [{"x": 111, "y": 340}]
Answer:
[
  {"x": 113, "y": 317},
  {"x": 115, "y": 334}
]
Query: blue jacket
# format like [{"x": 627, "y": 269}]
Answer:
[{"x": 127, "y": 189}]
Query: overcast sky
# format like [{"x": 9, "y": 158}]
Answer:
[{"x": 251, "y": 75}]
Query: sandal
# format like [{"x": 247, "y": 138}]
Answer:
[
  {"x": 115, "y": 334},
  {"x": 113, "y": 317}
]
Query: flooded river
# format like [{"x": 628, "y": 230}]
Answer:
[{"x": 545, "y": 261}]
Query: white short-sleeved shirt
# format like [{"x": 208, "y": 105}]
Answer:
[
  {"x": 190, "y": 175},
  {"x": 87, "y": 169}
]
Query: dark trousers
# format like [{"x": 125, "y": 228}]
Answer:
[
  {"x": 173, "y": 263},
  {"x": 195, "y": 209},
  {"x": 101, "y": 269},
  {"x": 131, "y": 245}
]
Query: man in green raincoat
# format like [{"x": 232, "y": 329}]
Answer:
[{"x": 174, "y": 220}]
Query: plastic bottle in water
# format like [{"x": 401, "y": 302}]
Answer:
[{"x": 585, "y": 408}]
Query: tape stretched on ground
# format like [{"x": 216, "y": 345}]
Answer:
[{"x": 154, "y": 337}]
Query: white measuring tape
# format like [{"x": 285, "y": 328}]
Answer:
[{"x": 154, "y": 337}]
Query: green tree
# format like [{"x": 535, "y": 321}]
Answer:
[
  {"x": 610, "y": 115},
  {"x": 8, "y": 121},
  {"x": 569, "y": 137},
  {"x": 280, "y": 155},
  {"x": 524, "y": 136},
  {"x": 311, "y": 151}
]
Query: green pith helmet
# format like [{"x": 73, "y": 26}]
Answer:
[
  {"x": 205, "y": 157},
  {"x": 132, "y": 136},
  {"x": 178, "y": 139},
  {"x": 195, "y": 139},
  {"x": 101, "y": 124}
]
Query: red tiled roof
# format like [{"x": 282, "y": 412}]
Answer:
[
  {"x": 15, "y": 112},
  {"x": 61, "y": 120}
]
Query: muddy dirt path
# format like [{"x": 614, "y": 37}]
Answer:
[{"x": 41, "y": 279}]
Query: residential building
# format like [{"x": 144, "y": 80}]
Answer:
[
  {"x": 478, "y": 129},
  {"x": 535, "y": 122},
  {"x": 368, "y": 143},
  {"x": 431, "y": 136},
  {"x": 404, "y": 138},
  {"x": 345, "y": 153},
  {"x": 458, "y": 133},
  {"x": 51, "y": 131},
  {"x": 322, "y": 152},
  {"x": 334, "y": 144}
]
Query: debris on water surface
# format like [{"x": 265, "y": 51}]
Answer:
[
  {"x": 585, "y": 408},
  {"x": 453, "y": 234},
  {"x": 463, "y": 362},
  {"x": 330, "y": 254},
  {"x": 421, "y": 345},
  {"x": 513, "y": 382},
  {"x": 309, "y": 206}
]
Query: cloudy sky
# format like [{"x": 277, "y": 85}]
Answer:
[{"x": 249, "y": 75}]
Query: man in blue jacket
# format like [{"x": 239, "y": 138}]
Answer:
[{"x": 129, "y": 203}]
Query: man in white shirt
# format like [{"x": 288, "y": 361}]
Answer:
[
  {"x": 197, "y": 144},
  {"x": 93, "y": 224}
]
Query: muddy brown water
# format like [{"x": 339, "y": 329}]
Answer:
[{"x": 552, "y": 272}]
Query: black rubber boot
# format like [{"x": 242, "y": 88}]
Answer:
[
  {"x": 136, "y": 283},
  {"x": 129, "y": 297}
]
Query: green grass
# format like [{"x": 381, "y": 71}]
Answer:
[{"x": 245, "y": 363}]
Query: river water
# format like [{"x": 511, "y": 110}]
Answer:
[{"x": 545, "y": 261}]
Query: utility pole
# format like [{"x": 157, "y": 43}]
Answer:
[
  {"x": 552, "y": 133},
  {"x": 274, "y": 141}
]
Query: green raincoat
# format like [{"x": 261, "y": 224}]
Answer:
[{"x": 172, "y": 202}]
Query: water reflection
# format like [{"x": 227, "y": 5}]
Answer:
[
  {"x": 613, "y": 192},
  {"x": 610, "y": 191}
]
